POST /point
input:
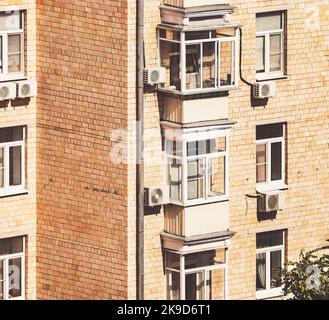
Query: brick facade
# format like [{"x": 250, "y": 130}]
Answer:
[
  {"x": 81, "y": 196},
  {"x": 79, "y": 214}
]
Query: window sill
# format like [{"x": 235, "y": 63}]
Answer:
[
  {"x": 13, "y": 193},
  {"x": 266, "y": 187},
  {"x": 270, "y": 77},
  {"x": 16, "y": 77},
  {"x": 197, "y": 91},
  {"x": 269, "y": 294},
  {"x": 200, "y": 202}
]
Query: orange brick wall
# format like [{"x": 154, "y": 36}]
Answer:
[{"x": 81, "y": 194}]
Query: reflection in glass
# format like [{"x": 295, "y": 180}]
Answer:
[
  {"x": 193, "y": 67},
  {"x": 261, "y": 163},
  {"x": 275, "y": 53},
  {"x": 15, "y": 279},
  {"x": 195, "y": 286},
  {"x": 260, "y": 54},
  {"x": 15, "y": 166},
  {"x": 276, "y": 161},
  {"x": 276, "y": 264}
]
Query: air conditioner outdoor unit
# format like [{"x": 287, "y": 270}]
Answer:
[
  {"x": 271, "y": 201},
  {"x": 7, "y": 91},
  {"x": 263, "y": 90},
  {"x": 26, "y": 89},
  {"x": 154, "y": 76},
  {"x": 156, "y": 196}
]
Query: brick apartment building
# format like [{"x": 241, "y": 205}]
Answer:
[{"x": 236, "y": 147}]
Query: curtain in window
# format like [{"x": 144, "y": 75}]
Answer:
[{"x": 261, "y": 271}]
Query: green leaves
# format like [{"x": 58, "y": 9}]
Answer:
[{"x": 308, "y": 278}]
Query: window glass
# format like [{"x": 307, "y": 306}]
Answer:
[
  {"x": 170, "y": 60},
  {"x": 1, "y": 58},
  {"x": 204, "y": 259},
  {"x": 174, "y": 147},
  {"x": 276, "y": 265},
  {"x": 270, "y": 239},
  {"x": 217, "y": 145},
  {"x": 197, "y": 35},
  {"x": 11, "y": 246},
  {"x": 216, "y": 169},
  {"x": 276, "y": 161},
  {"x": 216, "y": 284},
  {"x": 208, "y": 65},
  {"x": 193, "y": 66},
  {"x": 195, "y": 148},
  {"x": 15, "y": 278},
  {"x": 195, "y": 179},
  {"x": 10, "y": 20},
  {"x": 175, "y": 179},
  {"x": 268, "y": 21},
  {"x": 260, "y": 54},
  {"x": 173, "y": 261},
  {"x": 169, "y": 34},
  {"x": 15, "y": 166},
  {"x": 173, "y": 285},
  {"x": 195, "y": 286},
  {"x": 261, "y": 271},
  {"x": 275, "y": 52},
  {"x": 2, "y": 168},
  {"x": 14, "y": 53},
  {"x": 11, "y": 134},
  {"x": 269, "y": 131},
  {"x": 226, "y": 63},
  {"x": 261, "y": 163}
]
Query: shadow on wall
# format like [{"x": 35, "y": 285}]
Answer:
[{"x": 15, "y": 103}]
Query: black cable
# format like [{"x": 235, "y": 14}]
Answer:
[{"x": 241, "y": 50}]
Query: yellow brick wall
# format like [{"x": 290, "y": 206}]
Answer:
[
  {"x": 18, "y": 213},
  {"x": 301, "y": 101}
]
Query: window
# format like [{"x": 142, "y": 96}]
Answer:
[
  {"x": 270, "y": 155},
  {"x": 11, "y": 45},
  {"x": 198, "y": 168},
  {"x": 12, "y": 268},
  {"x": 202, "y": 60},
  {"x": 12, "y": 164},
  {"x": 196, "y": 276},
  {"x": 270, "y": 255},
  {"x": 270, "y": 44}
]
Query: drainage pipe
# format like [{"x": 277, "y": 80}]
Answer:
[{"x": 140, "y": 150}]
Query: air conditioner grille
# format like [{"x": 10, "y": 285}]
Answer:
[
  {"x": 4, "y": 92},
  {"x": 273, "y": 202},
  {"x": 25, "y": 89},
  {"x": 157, "y": 196},
  {"x": 265, "y": 90},
  {"x": 154, "y": 76}
]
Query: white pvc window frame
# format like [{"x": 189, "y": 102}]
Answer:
[
  {"x": 268, "y": 143},
  {"x": 5, "y": 75},
  {"x": 5, "y": 282},
  {"x": 267, "y": 74},
  {"x": 274, "y": 292},
  {"x": 218, "y": 41},
  {"x": 182, "y": 271},
  {"x": 7, "y": 189},
  {"x": 184, "y": 159}
]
